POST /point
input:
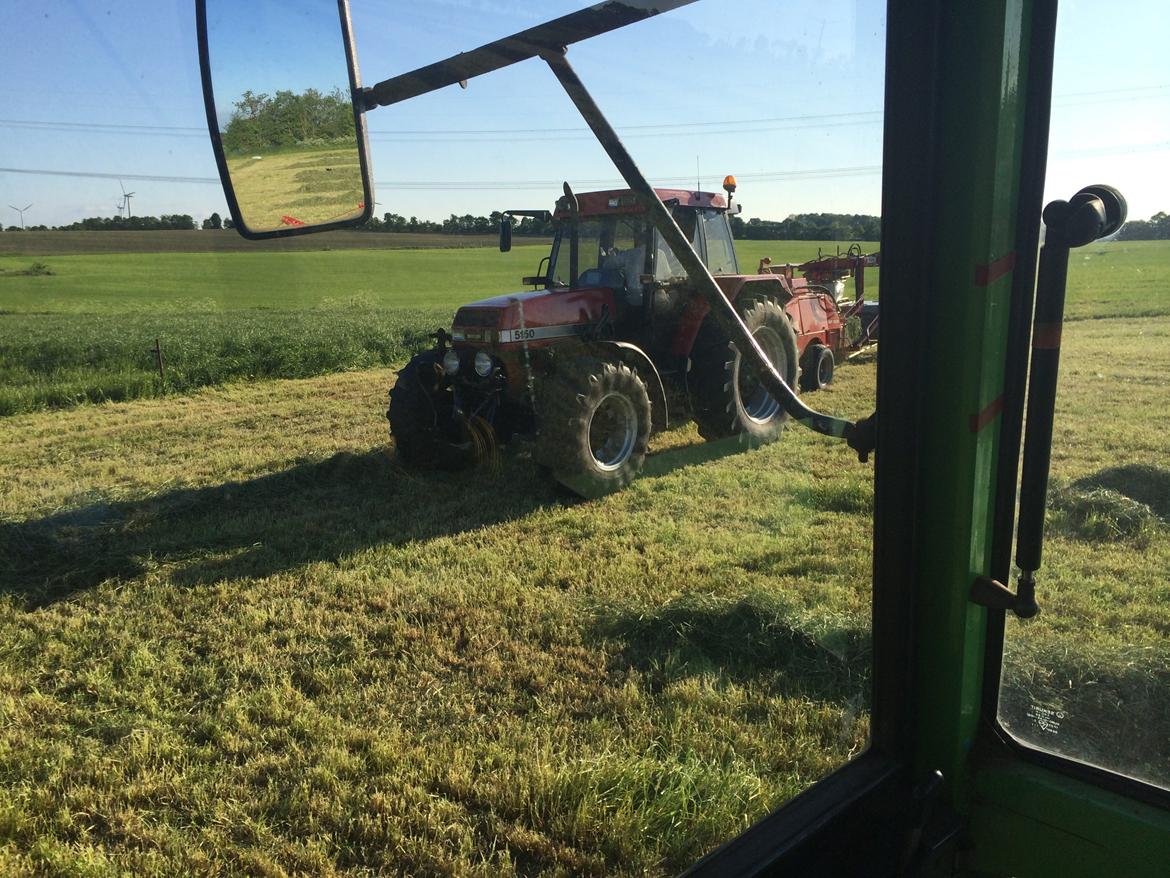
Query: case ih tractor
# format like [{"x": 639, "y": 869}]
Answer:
[{"x": 614, "y": 343}]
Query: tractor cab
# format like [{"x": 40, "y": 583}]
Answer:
[{"x": 605, "y": 239}]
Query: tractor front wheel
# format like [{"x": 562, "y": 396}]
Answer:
[
  {"x": 594, "y": 426},
  {"x": 421, "y": 417},
  {"x": 727, "y": 395}
]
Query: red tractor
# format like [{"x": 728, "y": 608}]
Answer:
[{"x": 613, "y": 343}]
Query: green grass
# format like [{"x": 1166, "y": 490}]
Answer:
[
  {"x": 240, "y": 639},
  {"x": 84, "y": 332}
]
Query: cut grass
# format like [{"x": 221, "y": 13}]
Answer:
[
  {"x": 322, "y": 185},
  {"x": 240, "y": 639},
  {"x": 248, "y": 642}
]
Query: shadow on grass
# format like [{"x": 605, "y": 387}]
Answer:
[
  {"x": 318, "y": 510},
  {"x": 314, "y": 511},
  {"x": 748, "y": 638}
]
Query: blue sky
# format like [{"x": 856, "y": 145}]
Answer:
[{"x": 786, "y": 95}]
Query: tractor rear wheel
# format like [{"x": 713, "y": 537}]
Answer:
[
  {"x": 727, "y": 395},
  {"x": 420, "y": 416},
  {"x": 594, "y": 426},
  {"x": 816, "y": 372}
]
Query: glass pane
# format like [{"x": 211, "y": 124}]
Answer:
[
  {"x": 248, "y": 631},
  {"x": 1089, "y": 677},
  {"x": 720, "y": 247}
]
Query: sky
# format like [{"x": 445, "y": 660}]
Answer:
[{"x": 785, "y": 95}]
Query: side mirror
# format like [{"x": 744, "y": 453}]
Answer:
[
  {"x": 505, "y": 233},
  {"x": 281, "y": 88}
]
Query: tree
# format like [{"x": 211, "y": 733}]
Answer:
[
  {"x": 215, "y": 221},
  {"x": 261, "y": 122},
  {"x": 1156, "y": 228}
]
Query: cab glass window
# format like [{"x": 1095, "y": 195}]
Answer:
[
  {"x": 1089, "y": 677},
  {"x": 717, "y": 238},
  {"x": 368, "y": 552}
]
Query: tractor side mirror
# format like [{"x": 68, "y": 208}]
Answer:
[
  {"x": 281, "y": 90},
  {"x": 505, "y": 233}
]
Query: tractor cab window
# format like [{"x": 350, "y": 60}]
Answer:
[
  {"x": 666, "y": 264},
  {"x": 717, "y": 238},
  {"x": 611, "y": 251},
  {"x": 1088, "y": 678}
]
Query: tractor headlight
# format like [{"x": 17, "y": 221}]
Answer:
[
  {"x": 450, "y": 362},
  {"x": 483, "y": 364}
]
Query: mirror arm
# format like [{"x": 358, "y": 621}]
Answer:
[
  {"x": 721, "y": 308},
  {"x": 552, "y": 35}
]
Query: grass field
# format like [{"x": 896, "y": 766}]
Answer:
[
  {"x": 306, "y": 186},
  {"x": 83, "y": 332},
  {"x": 241, "y": 640}
]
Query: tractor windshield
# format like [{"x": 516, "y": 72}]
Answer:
[{"x": 606, "y": 251}]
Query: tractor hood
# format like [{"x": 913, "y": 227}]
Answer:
[{"x": 533, "y": 315}]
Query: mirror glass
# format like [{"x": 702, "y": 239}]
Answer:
[{"x": 280, "y": 90}]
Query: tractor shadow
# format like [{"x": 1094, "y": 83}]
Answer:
[
  {"x": 751, "y": 638},
  {"x": 314, "y": 511},
  {"x": 320, "y": 510}
]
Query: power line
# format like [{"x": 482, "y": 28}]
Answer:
[
  {"x": 663, "y": 129},
  {"x": 682, "y": 181}
]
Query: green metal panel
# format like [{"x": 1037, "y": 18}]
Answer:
[
  {"x": 1029, "y": 821},
  {"x": 982, "y": 44}
]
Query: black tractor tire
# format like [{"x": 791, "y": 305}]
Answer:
[
  {"x": 594, "y": 426},
  {"x": 816, "y": 371},
  {"x": 420, "y": 417},
  {"x": 726, "y": 397}
]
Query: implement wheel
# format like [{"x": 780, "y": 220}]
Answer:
[
  {"x": 727, "y": 395},
  {"x": 594, "y": 426},
  {"x": 817, "y": 369}
]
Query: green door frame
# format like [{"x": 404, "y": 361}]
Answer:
[{"x": 966, "y": 119}]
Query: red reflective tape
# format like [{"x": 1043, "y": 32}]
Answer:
[
  {"x": 993, "y": 271},
  {"x": 291, "y": 221},
  {"x": 985, "y": 417},
  {"x": 1046, "y": 337}
]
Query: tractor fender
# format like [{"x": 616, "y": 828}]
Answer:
[
  {"x": 737, "y": 288},
  {"x": 638, "y": 360}
]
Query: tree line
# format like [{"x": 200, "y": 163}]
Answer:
[
  {"x": 261, "y": 122},
  {"x": 1156, "y": 228},
  {"x": 798, "y": 227}
]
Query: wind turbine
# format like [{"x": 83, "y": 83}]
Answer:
[
  {"x": 21, "y": 211},
  {"x": 126, "y": 196}
]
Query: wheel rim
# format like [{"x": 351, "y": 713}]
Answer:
[
  {"x": 613, "y": 431},
  {"x": 758, "y": 405}
]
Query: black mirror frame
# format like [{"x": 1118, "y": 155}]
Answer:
[
  {"x": 505, "y": 233},
  {"x": 359, "y": 132}
]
